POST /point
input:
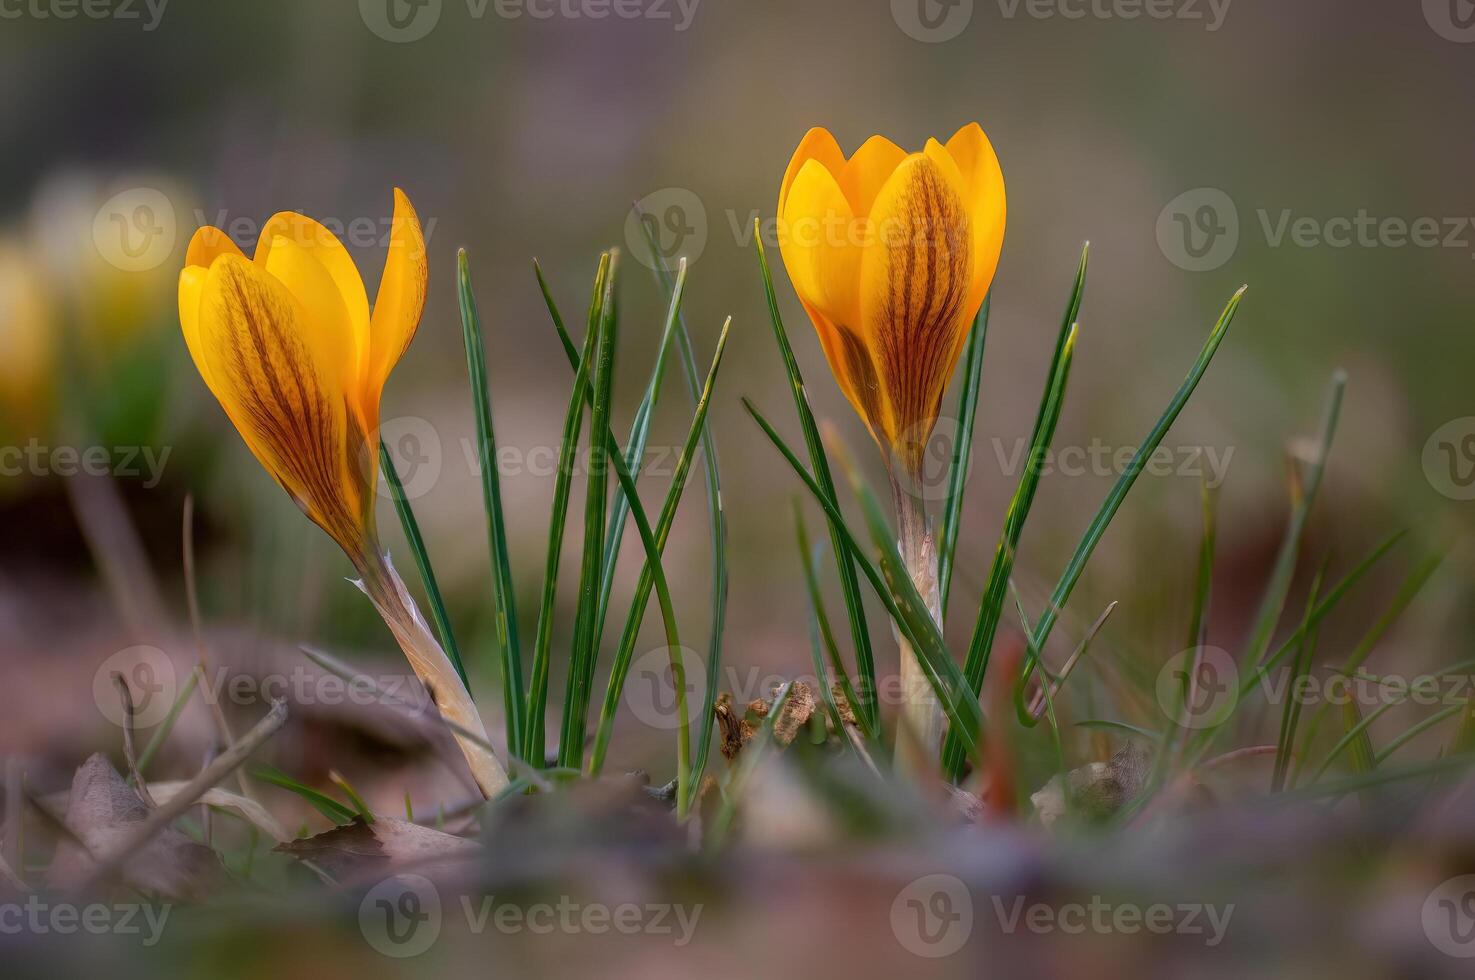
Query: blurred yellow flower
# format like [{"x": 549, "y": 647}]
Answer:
[
  {"x": 288, "y": 344},
  {"x": 892, "y": 254},
  {"x": 29, "y": 339}
]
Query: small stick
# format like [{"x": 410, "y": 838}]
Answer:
[
  {"x": 129, "y": 754},
  {"x": 225, "y": 764}
]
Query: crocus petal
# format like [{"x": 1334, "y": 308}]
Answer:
[
  {"x": 866, "y": 172},
  {"x": 819, "y": 145},
  {"x": 207, "y": 244},
  {"x": 400, "y": 301},
  {"x": 821, "y": 242},
  {"x": 914, "y": 292},
  {"x": 312, "y": 237},
  {"x": 984, "y": 181},
  {"x": 282, "y": 390},
  {"x": 326, "y": 327}
]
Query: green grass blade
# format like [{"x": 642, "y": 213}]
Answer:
[
  {"x": 716, "y": 523},
  {"x": 1417, "y": 730},
  {"x": 1364, "y": 759},
  {"x": 635, "y": 448},
  {"x": 568, "y": 446},
  {"x": 322, "y": 802},
  {"x": 823, "y": 634},
  {"x": 962, "y": 461},
  {"x": 864, "y": 659},
  {"x": 1123, "y": 486},
  {"x": 491, "y": 484},
  {"x": 990, "y": 610},
  {"x": 1291, "y": 712},
  {"x": 621, "y": 668},
  {"x": 422, "y": 562},
  {"x": 893, "y": 586},
  {"x": 586, "y": 641},
  {"x": 1285, "y": 562},
  {"x": 1401, "y": 600}
]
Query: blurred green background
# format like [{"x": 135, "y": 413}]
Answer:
[{"x": 522, "y": 136}]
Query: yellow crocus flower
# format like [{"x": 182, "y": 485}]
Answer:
[
  {"x": 29, "y": 338},
  {"x": 891, "y": 254},
  {"x": 289, "y": 346}
]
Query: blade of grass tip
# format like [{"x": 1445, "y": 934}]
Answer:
[
  {"x": 1417, "y": 730},
  {"x": 322, "y": 802},
  {"x": 651, "y": 573},
  {"x": 422, "y": 562},
  {"x": 865, "y": 665},
  {"x": 1364, "y": 759},
  {"x": 1291, "y": 713},
  {"x": 161, "y": 733},
  {"x": 1464, "y": 740},
  {"x": 991, "y": 608},
  {"x": 586, "y": 644},
  {"x": 635, "y": 449},
  {"x": 962, "y": 461},
  {"x": 716, "y": 519},
  {"x": 959, "y": 704},
  {"x": 354, "y": 798},
  {"x": 922, "y": 633},
  {"x": 1401, "y": 600},
  {"x": 1123, "y": 486},
  {"x": 1070, "y": 665},
  {"x": 558, "y": 519},
  {"x": 1284, "y": 569},
  {"x": 491, "y": 486},
  {"x": 821, "y": 621},
  {"x": 753, "y": 754}
]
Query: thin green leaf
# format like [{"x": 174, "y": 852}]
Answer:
[
  {"x": 558, "y": 520},
  {"x": 586, "y": 642},
  {"x": 820, "y": 621},
  {"x": 962, "y": 461},
  {"x": 1291, "y": 712},
  {"x": 491, "y": 485},
  {"x": 323, "y": 803},
  {"x": 864, "y": 659},
  {"x": 422, "y": 562}
]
